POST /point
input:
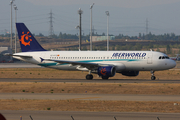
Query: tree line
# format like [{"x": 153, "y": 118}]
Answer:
[
  {"x": 150, "y": 36},
  {"x": 141, "y": 36}
]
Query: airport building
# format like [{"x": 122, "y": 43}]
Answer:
[
  {"x": 101, "y": 38},
  {"x": 4, "y": 50}
]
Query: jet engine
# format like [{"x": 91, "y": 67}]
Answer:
[
  {"x": 106, "y": 71},
  {"x": 130, "y": 73}
]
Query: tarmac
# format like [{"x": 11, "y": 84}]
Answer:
[
  {"x": 86, "y": 96},
  {"x": 78, "y": 115}
]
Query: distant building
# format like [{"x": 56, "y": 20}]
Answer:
[
  {"x": 101, "y": 38},
  {"x": 4, "y": 50}
]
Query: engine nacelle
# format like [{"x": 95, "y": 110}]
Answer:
[
  {"x": 130, "y": 73},
  {"x": 108, "y": 71}
]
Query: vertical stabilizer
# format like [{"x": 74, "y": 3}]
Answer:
[{"x": 27, "y": 41}]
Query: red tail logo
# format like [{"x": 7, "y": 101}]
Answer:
[
  {"x": 25, "y": 39},
  {"x": 103, "y": 71}
]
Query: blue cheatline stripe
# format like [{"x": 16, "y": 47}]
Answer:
[
  {"x": 89, "y": 61},
  {"x": 128, "y": 60}
]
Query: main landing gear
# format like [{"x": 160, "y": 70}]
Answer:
[
  {"x": 152, "y": 75},
  {"x": 105, "y": 77},
  {"x": 89, "y": 76}
]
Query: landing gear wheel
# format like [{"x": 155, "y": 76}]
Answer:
[
  {"x": 153, "y": 78},
  {"x": 152, "y": 75},
  {"x": 105, "y": 77},
  {"x": 89, "y": 77}
]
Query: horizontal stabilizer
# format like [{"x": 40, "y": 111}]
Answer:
[{"x": 23, "y": 56}]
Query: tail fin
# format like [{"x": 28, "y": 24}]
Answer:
[{"x": 27, "y": 41}]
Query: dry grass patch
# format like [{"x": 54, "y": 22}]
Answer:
[
  {"x": 59, "y": 74},
  {"x": 94, "y": 88},
  {"x": 85, "y": 105}
]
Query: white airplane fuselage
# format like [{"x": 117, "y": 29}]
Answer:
[{"x": 122, "y": 60}]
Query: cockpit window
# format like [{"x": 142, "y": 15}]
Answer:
[
  {"x": 167, "y": 57},
  {"x": 163, "y": 57}
]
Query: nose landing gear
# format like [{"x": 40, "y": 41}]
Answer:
[{"x": 152, "y": 75}]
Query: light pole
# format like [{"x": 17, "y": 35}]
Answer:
[
  {"x": 15, "y": 8},
  {"x": 91, "y": 28},
  {"x": 80, "y": 12},
  {"x": 107, "y": 13},
  {"x": 11, "y": 2}
]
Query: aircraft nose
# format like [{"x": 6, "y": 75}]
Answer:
[{"x": 172, "y": 63}]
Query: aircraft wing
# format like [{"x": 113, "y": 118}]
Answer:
[{"x": 88, "y": 65}]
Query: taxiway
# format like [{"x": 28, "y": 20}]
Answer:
[{"x": 64, "y": 115}]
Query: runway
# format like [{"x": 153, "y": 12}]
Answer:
[
  {"x": 18, "y": 65},
  {"x": 87, "y": 81},
  {"x": 78, "y": 115},
  {"x": 63, "y": 115},
  {"x": 86, "y": 96}
]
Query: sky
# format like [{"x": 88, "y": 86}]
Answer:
[
  {"x": 113, "y": 3},
  {"x": 127, "y": 17}
]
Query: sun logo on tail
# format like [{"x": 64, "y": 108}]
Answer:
[{"x": 25, "y": 39}]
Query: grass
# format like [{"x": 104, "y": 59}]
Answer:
[
  {"x": 93, "y": 88},
  {"x": 85, "y": 105},
  {"x": 58, "y": 74}
]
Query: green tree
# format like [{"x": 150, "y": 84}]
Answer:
[{"x": 168, "y": 49}]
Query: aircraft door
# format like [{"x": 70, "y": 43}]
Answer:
[{"x": 149, "y": 58}]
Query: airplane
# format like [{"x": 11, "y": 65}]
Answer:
[
  {"x": 104, "y": 63},
  {"x": 175, "y": 58}
]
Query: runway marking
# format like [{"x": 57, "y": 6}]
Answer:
[{"x": 85, "y": 98}]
